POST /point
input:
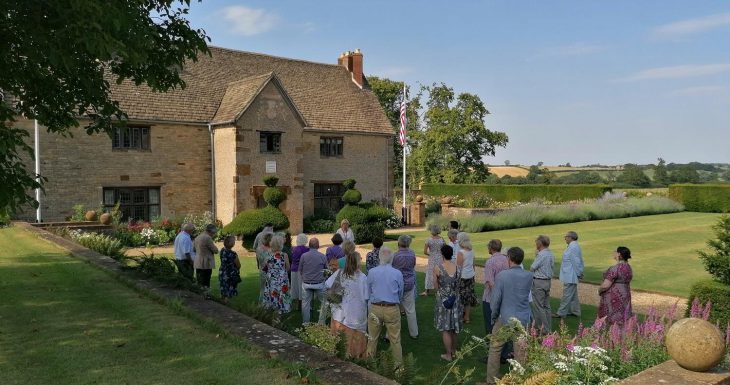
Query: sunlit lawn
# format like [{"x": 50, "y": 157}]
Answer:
[
  {"x": 664, "y": 247},
  {"x": 63, "y": 321}
]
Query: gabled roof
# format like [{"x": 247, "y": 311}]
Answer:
[{"x": 222, "y": 86}]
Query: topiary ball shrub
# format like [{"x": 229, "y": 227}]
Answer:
[
  {"x": 271, "y": 180},
  {"x": 274, "y": 196},
  {"x": 250, "y": 222},
  {"x": 351, "y": 196},
  {"x": 367, "y": 220}
]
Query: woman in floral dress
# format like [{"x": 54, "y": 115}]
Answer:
[
  {"x": 448, "y": 312},
  {"x": 276, "y": 291},
  {"x": 229, "y": 274},
  {"x": 615, "y": 291},
  {"x": 432, "y": 248}
]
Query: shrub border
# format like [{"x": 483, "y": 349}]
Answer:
[
  {"x": 522, "y": 193},
  {"x": 703, "y": 198}
]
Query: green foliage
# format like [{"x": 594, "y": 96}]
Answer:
[
  {"x": 271, "y": 180},
  {"x": 352, "y": 197},
  {"x": 318, "y": 226},
  {"x": 367, "y": 220},
  {"x": 704, "y": 198},
  {"x": 57, "y": 81},
  {"x": 580, "y": 177},
  {"x": 321, "y": 336},
  {"x": 521, "y": 193},
  {"x": 433, "y": 206},
  {"x": 455, "y": 139},
  {"x": 349, "y": 183},
  {"x": 102, "y": 244},
  {"x": 274, "y": 196},
  {"x": 250, "y": 222},
  {"x": 79, "y": 214},
  {"x": 717, "y": 262},
  {"x": 661, "y": 176},
  {"x": 536, "y": 214},
  {"x": 478, "y": 199},
  {"x": 712, "y": 291},
  {"x": 633, "y": 175},
  {"x": 4, "y": 218},
  {"x": 386, "y": 367},
  {"x": 684, "y": 174}
]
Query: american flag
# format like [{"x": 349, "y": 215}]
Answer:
[{"x": 402, "y": 135}]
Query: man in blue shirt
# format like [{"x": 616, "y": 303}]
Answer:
[
  {"x": 571, "y": 271},
  {"x": 510, "y": 299},
  {"x": 385, "y": 287},
  {"x": 405, "y": 260}
]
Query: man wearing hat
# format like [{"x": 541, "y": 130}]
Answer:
[
  {"x": 571, "y": 271},
  {"x": 205, "y": 251}
]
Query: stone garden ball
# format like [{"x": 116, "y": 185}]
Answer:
[{"x": 695, "y": 344}]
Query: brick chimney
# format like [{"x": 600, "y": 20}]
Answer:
[{"x": 353, "y": 62}]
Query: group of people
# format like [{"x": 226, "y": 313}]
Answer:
[{"x": 361, "y": 303}]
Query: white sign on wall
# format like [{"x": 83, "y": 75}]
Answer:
[{"x": 271, "y": 167}]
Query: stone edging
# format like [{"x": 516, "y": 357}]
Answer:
[{"x": 278, "y": 344}]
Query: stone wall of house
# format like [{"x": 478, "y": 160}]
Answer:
[
  {"x": 224, "y": 139},
  {"x": 366, "y": 158},
  {"x": 270, "y": 111},
  {"x": 79, "y": 167}
]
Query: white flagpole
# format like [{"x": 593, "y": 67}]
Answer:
[
  {"x": 404, "y": 157},
  {"x": 37, "y": 169}
]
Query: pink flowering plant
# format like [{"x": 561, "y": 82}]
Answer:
[{"x": 604, "y": 353}]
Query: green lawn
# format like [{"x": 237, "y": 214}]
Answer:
[
  {"x": 426, "y": 349},
  {"x": 664, "y": 247},
  {"x": 65, "y": 322}
]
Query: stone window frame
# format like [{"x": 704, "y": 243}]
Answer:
[
  {"x": 137, "y": 138},
  {"x": 323, "y": 201},
  {"x": 146, "y": 200},
  {"x": 275, "y": 142},
  {"x": 331, "y": 149}
]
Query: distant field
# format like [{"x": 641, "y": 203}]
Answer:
[
  {"x": 560, "y": 169},
  {"x": 501, "y": 171}
]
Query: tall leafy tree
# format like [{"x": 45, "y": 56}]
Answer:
[
  {"x": 454, "y": 138},
  {"x": 685, "y": 174},
  {"x": 661, "y": 176},
  {"x": 57, "y": 59},
  {"x": 390, "y": 96},
  {"x": 634, "y": 176}
]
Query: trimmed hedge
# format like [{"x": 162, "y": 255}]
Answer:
[
  {"x": 704, "y": 198},
  {"x": 250, "y": 222},
  {"x": 716, "y": 292},
  {"x": 520, "y": 193},
  {"x": 367, "y": 220}
]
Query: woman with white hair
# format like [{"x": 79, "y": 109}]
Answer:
[
  {"x": 345, "y": 231},
  {"x": 432, "y": 248},
  {"x": 465, "y": 262},
  {"x": 296, "y": 278},
  {"x": 276, "y": 291}
]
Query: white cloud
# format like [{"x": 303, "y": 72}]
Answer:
[
  {"x": 677, "y": 72},
  {"x": 684, "y": 28},
  {"x": 699, "y": 91},
  {"x": 249, "y": 21}
]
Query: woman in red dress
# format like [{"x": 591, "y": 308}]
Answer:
[{"x": 615, "y": 291}]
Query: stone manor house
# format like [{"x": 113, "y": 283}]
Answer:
[{"x": 241, "y": 117}]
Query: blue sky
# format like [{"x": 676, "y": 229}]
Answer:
[{"x": 569, "y": 81}]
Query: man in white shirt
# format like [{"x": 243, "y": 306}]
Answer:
[
  {"x": 184, "y": 254},
  {"x": 571, "y": 271},
  {"x": 345, "y": 231}
]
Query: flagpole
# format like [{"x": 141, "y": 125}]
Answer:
[
  {"x": 37, "y": 143},
  {"x": 404, "y": 159}
]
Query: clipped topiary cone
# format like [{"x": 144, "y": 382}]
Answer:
[
  {"x": 105, "y": 219},
  {"x": 90, "y": 215}
]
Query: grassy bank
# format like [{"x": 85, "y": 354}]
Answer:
[{"x": 65, "y": 322}]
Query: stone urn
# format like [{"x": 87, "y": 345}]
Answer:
[
  {"x": 695, "y": 344},
  {"x": 105, "y": 219},
  {"x": 90, "y": 215},
  {"x": 446, "y": 200},
  {"x": 419, "y": 198}
]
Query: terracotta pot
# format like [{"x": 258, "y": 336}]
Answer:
[
  {"x": 419, "y": 198},
  {"x": 446, "y": 200},
  {"x": 105, "y": 219},
  {"x": 90, "y": 215}
]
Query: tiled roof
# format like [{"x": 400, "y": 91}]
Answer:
[{"x": 218, "y": 85}]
